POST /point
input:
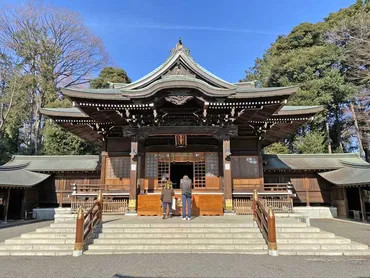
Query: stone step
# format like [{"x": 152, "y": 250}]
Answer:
[
  {"x": 176, "y": 251},
  {"x": 298, "y": 230},
  {"x": 325, "y": 253},
  {"x": 162, "y": 225},
  {"x": 48, "y": 235},
  {"x": 202, "y": 241},
  {"x": 324, "y": 247},
  {"x": 36, "y": 253},
  {"x": 55, "y": 230},
  {"x": 19, "y": 240},
  {"x": 314, "y": 240},
  {"x": 180, "y": 235},
  {"x": 177, "y": 246},
  {"x": 36, "y": 247},
  {"x": 194, "y": 251},
  {"x": 306, "y": 235},
  {"x": 180, "y": 230},
  {"x": 291, "y": 225},
  {"x": 181, "y": 225}
]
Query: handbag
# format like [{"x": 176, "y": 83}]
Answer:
[{"x": 173, "y": 204}]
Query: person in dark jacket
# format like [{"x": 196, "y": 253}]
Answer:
[
  {"x": 186, "y": 196},
  {"x": 166, "y": 197}
]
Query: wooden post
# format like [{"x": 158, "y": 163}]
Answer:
[
  {"x": 362, "y": 203},
  {"x": 133, "y": 177},
  {"x": 272, "y": 233},
  {"x": 227, "y": 175},
  {"x": 307, "y": 187},
  {"x": 79, "y": 239},
  {"x": 254, "y": 204},
  {"x": 23, "y": 207},
  {"x": 103, "y": 168},
  {"x": 7, "y": 206},
  {"x": 100, "y": 200}
]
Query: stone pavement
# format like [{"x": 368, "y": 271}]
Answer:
[
  {"x": 356, "y": 231},
  {"x": 15, "y": 229},
  {"x": 183, "y": 265}
]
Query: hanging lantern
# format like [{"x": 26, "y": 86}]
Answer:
[{"x": 181, "y": 140}]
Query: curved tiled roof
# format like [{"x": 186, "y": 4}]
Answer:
[
  {"x": 57, "y": 163},
  {"x": 311, "y": 161},
  {"x": 17, "y": 176}
]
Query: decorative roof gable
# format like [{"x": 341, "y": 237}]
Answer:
[{"x": 180, "y": 63}]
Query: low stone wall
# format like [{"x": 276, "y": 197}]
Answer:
[
  {"x": 58, "y": 214},
  {"x": 43, "y": 213},
  {"x": 317, "y": 212}
]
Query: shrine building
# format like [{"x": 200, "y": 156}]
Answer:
[{"x": 181, "y": 119}]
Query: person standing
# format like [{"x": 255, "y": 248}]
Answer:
[
  {"x": 166, "y": 197},
  {"x": 186, "y": 196}
]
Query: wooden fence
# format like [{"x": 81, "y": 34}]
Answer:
[
  {"x": 243, "y": 206},
  {"x": 109, "y": 206}
]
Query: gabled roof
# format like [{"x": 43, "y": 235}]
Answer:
[
  {"x": 180, "y": 56},
  {"x": 311, "y": 161},
  {"x": 57, "y": 163},
  {"x": 18, "y": 177},
  {"x": 178, "y": 71}
]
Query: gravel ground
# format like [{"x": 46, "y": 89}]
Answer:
[
  {"x": 184, "y": 265},
  {"x": 355, "y": 231},
  {"x": 11, "y": 230}
]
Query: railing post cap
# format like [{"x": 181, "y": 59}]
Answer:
[
  {"x": 271, "y": 212},
  {"x": 80, "y": 213},
  {"x": 255, "y": 194},
  {"x": 100, "y": 196}
]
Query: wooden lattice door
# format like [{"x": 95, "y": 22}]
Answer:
[
  {"x": 199, "y": 171},
  {"x": 163, "y": 168}
]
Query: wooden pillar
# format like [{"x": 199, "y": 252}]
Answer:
[
  {"x": 133, "y": 176},
  {"x": 362, "y": 202},
  {"x": 227, "y": 175},
  {"x": 307, "y": 187},
  {"x": 104, "y": 156},
  {"x": 345, "y": 197},
  {"x": 7, "y": 206},
  {"x": 23, "y": 207}
]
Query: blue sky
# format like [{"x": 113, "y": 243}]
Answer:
[{"x": 225, "y": 37}]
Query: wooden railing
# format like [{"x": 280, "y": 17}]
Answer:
[
  {"x": 86, "y": 224},
  {"x": 244, "y": 206},
  {"x": 280, "y": 205},
  {"x": 276, "y": 186},
  {"x": 266, "y": 223},
  {"x": 92, "y": 188},
  {"x": 109, "y": 206}
]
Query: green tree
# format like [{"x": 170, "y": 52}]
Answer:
[
  {"x": 109, "y": 75},
  {"x": 306, "y": 58},
  {"x": 59, "y": 142},
  {"x": 312, "y": 142},
  {"x": 55, "y": 48},
  {"x": 277, "y": 148}
]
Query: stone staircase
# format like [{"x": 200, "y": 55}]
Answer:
[
  {"x": 188, "y": 237},
  {"x": 305, "y": 240},
  {"x": 48, "y": 241},
  {"x": 212, "y": 235}
]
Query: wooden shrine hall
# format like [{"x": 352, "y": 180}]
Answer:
[{"x": 178, "y": 120}]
